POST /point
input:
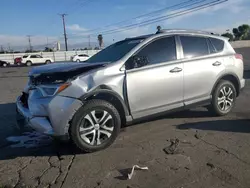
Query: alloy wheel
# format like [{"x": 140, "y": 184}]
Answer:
[
  {"x": 96, "y": 127},
  {"x": 225, "y": 98}
]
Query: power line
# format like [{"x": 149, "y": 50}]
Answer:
[
  {"x": 78, "y": 5},
  {"x": 161, "y": 18},
  {"x": 64, "y": 30},
  {"x": 146, "y": 15}
]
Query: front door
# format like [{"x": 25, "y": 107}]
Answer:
[{"x": 158, "y": 85}]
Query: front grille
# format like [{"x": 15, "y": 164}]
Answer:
[{"x": 24, "y": 99}]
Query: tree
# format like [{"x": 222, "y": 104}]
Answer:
[
  {"x": 100, "y": 40},
  {"x": 47, "y": 49},
  {"x": 242, "y": 32},
  {"x": 228, "y": 35}
]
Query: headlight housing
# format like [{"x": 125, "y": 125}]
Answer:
[{"x": 51, "y": 90}]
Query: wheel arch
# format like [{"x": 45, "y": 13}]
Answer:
[
  {"x": 104, "y": 92},
  {"x": 230, "y": 77}
]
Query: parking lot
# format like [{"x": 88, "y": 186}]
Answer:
[{"x": 210, "y": 151}]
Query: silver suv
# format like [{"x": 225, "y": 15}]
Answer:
[{"x": 131, "y": 79}]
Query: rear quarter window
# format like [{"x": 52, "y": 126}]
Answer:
[
  {"x": 218, "y": 44},
  {"x": 194, "y": 46}
]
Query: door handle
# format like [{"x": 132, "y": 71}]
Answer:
[
  {"x": 176, "y": 69},
  {"x": 217, "y": 63}
]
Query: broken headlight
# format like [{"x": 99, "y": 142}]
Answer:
[{"x": 53, "y": 90}]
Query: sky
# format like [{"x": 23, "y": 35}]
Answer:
[{"x": 42, "y": 21}]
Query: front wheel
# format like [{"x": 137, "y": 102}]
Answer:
[
  {"x": 223, "y": 99},
  {"x": 5, "y": 65},
  {"x": 95, "y": 126},
  {"x": 78, "y": 61}
]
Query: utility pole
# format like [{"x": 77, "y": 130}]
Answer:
[
  {"x": 64, "y": 30},
  {"x": 9, "y": 47},
  {"x": 47, "y": 42},
  {"x": 30, "y": 46},
  {"x": 89, "y": 41}
]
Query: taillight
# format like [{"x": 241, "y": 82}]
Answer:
[{"x": 239, "y": 56}]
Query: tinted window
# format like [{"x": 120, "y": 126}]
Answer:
[
  {"x": 25, "y": 56},
  {"x": 83, "y": 55},
  {"x": 218, "y": 44},
  {"x": 33, "y": 56},
  {"x": 194, "y": 46},
  {"x": 211, "y": 47},
  {"x": 159, "y": 51},
  {"x": 115, "y": 51}
]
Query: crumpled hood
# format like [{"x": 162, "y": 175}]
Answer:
[
  {"x": 62, "y": 67},
  {"x": 60, "y": 72}
]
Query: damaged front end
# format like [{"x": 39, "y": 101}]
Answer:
[{"x": 41, "y": 104}]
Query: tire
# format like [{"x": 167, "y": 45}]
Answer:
[
  {"x": 106, "y": 129},
  {"x": 223, "y": 98},
  {"x": 18, "y": 64},
  {"x": 28, "y": 63},
  {"x": 78, "y": 61},
  {"x": 47, "y": 62},
  {"x": 5, "y": 64}
]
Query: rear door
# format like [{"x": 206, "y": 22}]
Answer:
[
  {"x": 40, "y": 59},
  {"x": 202, "y": 65},
  {"x": 33, "y": 58}
]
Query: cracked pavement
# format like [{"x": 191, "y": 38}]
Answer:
[{"x": 214, "y": 150}]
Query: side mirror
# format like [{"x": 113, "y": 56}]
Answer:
[
  {"x": 136, "y": 62},
  {"x": 139, "y": 61}
]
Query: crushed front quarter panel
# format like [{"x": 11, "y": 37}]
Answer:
[{"x": 61, "y": 110}]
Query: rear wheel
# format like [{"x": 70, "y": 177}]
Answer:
[
  {"x": 78, "y": 61},
  {"x": 223, "y": 99},
  {"x": 48, "y": 62},
  {"x": 95, "y": 126},
  {"x": 5, "y": 64},
  {"x": 28, "y": 63}
]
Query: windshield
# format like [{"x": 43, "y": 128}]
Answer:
[{"x": 115, "y": 51}]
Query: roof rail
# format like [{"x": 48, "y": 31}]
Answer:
[{"x": 186, "y": 31}]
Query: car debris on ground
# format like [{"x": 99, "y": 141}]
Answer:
[
  {"x": 136, "y": 167},
  {"x": 29, "y": 140},
  {"x": 173, "y": 147}
]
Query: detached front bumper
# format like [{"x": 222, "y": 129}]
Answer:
[
  {"x": 40, "y": 124},
  {"x": 59, "y": 111}
]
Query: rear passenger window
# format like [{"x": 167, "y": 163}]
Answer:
[
  {"x": 194, "y": 46},
  {"x": 218, "y": 44}
]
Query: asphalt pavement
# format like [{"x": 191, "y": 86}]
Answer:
[{"x": 189, "y": 149}]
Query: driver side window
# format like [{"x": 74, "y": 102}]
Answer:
[{"x": 159, "y": 51}]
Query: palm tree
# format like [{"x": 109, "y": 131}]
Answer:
[{"x": 100, "y": 40}]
